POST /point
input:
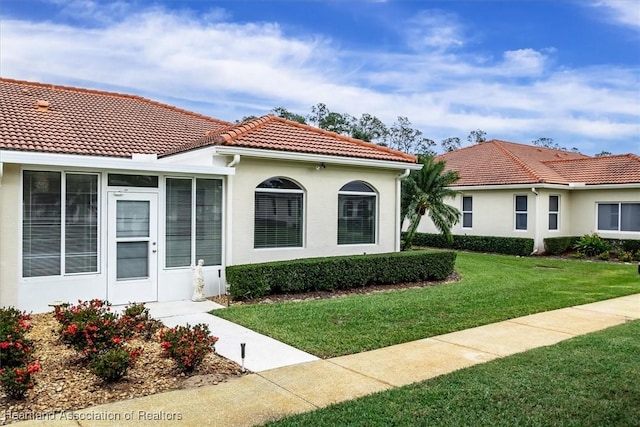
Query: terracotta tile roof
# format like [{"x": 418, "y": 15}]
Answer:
[
  {"x": 57, "y": 119},
  {"x": 275, "y": 133},
  {"x": 498, "y": 162},
  {"x": 620, "y": 169}
]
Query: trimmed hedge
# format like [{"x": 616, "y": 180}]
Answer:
[
  {"x": 560, "y": 245},
  {"x": 327, "y": 274},
  {"x": 501, "y": 245}
]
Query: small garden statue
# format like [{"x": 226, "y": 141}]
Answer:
[{"x": 198, "y": 282}]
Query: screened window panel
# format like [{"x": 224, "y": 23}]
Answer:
[
  {"x": 630, "y": 217},
  {"x": 553, "y": 221},
  {"x": 521, "y": 203},
  {"x": 521, "y": 212},
  {"x": 554, "y": 203},
  {"x": 467, "y": 212},
  {"x": 81, "y": 224},
  {"x": 467, "y": 203},
  {"x": 360, "y": 225},
  {"x": 467, "y": 220},
  {"x": 41, "y": 224},
  {"x": 132, "y": 219},
  {"x": 178, "y": 222},
  {"x": 133, "y": 260},
  {"x": 209, "y": 221},
  {"x": 608, "y": 216},
  {"x": 121, "y": 180},
  {"x": 521, "y": 221},
  {"x": 274, "y": 227}
]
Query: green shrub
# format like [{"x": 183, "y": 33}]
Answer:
[
  {"x": 90, "y": 327},
  {"x": 604, "y": 256},
  {"x": 501, "y": 245},
  {"x": 327, "y": 274},
  {"x": 16, "y": 381},
  {"x": 592, "y": 245},
  {"x": 624, "y": 256},
  {"x": 559, "y": 245},
  {"x": 187, "y": 345},
  {"x": 113, "y": 364}
]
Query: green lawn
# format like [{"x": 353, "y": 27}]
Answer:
[
  {"x": 492, "y": 288},
  {"x": 592, "y": 380}
]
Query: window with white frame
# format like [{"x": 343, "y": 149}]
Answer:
[
  {"x": 193, "y": 221},
  {"x": 59, "y": 223},
  {"x": 467, "y": 212},
  {"x": 554, "y": 212},
  {"x": 357, "y": 204},
  {"x": 278, "y": 214},
  {"x": 619, "y": 216},
  {"x": 521, "y": 212}
]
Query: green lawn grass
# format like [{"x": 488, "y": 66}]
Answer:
[
  {"x": 592, "y": 380},
  {"x": 492, "y": 288}
]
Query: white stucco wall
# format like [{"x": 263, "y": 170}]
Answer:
[
  {"x": 320, "y": 209},
  {"x": 583, "y": 208},
  {"x": 494, "y": 213},
  {"x": 9, "y": 234}
]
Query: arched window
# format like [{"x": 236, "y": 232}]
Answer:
[
  {"x": 278, "y": 214},
  {"x": 357, "y": 207}
]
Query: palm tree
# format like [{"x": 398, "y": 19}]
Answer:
[{"x": 425, "y": 191}]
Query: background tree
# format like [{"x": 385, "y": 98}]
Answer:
[
  {"x": 477, "y": 136},
  {"x": 403, "y": 137},
  {"x": 424, "y": 191},
  {"x": 369, "y": 128},
  {"x": 286, "y": 114},
  {"x": 603, "y": 154},
  {"x": 450, "y": 144},
  {"x": 245, "y": 118}
]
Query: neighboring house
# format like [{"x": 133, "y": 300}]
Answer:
[
  {"x": 517, "y": 190},
  {"x": 112, "y": 196}
]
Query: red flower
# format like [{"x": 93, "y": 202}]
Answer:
[
  {"x": 116, "y": 340},
  {"x": 72, "y": 329},
  {"x": 35, "y": 367},
  {"x": 4, "y": 345}
]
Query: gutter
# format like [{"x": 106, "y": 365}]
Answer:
[
  {"x": 228, "y": 252},
  {"x": 399, "y": 178}
]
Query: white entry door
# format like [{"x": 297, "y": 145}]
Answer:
[{"x": 133, "y": 250}]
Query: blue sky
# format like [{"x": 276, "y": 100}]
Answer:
[{"x": 519, "y": 70}]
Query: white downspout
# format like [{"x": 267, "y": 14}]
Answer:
[
  {"x": 399, "y": 178},
  {"x": 536, "y": 224},
  {"x": 228, "y": 253}
]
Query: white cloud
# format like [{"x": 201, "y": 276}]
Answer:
[
  {"x": 433, "y": 29},
  {"x": 229, "y": 70},
  {"x": 526, "y": 62},
  {"x": 623, "y": 12}
]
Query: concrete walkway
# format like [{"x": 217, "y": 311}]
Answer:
[
  {"x": 261, "y": 352},
  {"x": 275, "y": 393}
]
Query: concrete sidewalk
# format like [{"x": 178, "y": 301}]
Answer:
[{"x": 275, "y": 393}]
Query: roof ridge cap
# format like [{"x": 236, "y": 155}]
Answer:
[
  {"x": 235, "y": 131},
  {"x": 113, "y": 94},
  {"x": 349, "y": 139},
  {"x": 518, "y": 161}
]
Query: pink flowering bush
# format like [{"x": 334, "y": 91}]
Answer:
[
  {"x": 136, "y": 318},
  {"x": 187, "y": 345},
  {"x": 15, "y": 381},
  {"x": 101, "y": 335},
  {"x": 90, "y": 327},
  {"x": 16, "y": 351}
]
